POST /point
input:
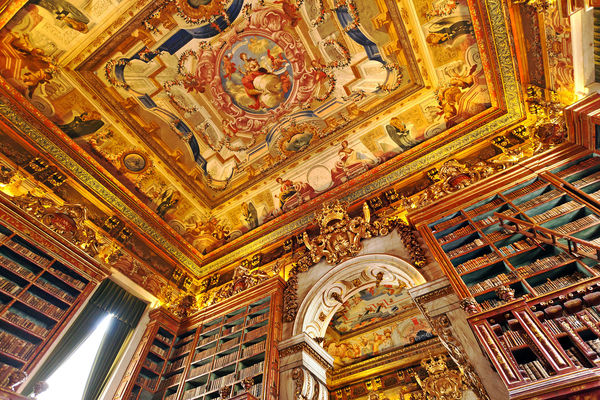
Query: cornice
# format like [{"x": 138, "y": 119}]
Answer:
[
  {"x": 396, "y": 359},
  {"x": 304, "y": 343}
]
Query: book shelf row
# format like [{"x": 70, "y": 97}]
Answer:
[
  {"x": 209, "y": 364},
  {"x": 36, "y": 258},
  {"x": 15, "y": 346},
  {"x": 548, "y": 337},
  {"x": 231, "y": 379},
  {"x": 202, "y": 358},
  {"x": 484, "y": 256},
  {"x": 213, "y": 347},
  {"x": 37, "y": 292}
]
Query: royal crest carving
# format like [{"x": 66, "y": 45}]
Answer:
[
  {"x": 442, "y": 383},
  {"x": 68, "y": 220},
  {"x": 340, "y": 236},
  {"x": 443, "y": 329}
]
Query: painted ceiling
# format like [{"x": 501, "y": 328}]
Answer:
[
  {"x": 368, "y": 307},
  {"x": 372, "y": 322},
  {"x": 219, "y": 116}
]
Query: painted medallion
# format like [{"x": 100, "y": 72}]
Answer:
[{"x": 256, "y": 74}]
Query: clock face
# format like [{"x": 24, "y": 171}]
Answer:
[{"x": 319, "y": 177}]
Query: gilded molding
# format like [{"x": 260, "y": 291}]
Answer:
[
  {"x": 300, "y": 347},
  {"x": 92, "y": 183},
  {"x": 397, "y": 359},
  {"x": 68, "y": 220},
  {"x": 433, "y": 295}
]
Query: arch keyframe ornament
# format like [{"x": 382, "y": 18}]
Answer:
[{"x": 345, "y": 280}]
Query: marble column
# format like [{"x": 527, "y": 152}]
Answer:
[
  {"x": 440, "y": 305},
  {"x": 303, "y": 366}
]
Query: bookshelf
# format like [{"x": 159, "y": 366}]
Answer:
[
  {"x": 536, "y": 311},
  {"x": 218, "y": 347},
  {"x": 38, "y": 294},
  {"x": 480, "y": 256},
  {"x": 535, "y": 342}
]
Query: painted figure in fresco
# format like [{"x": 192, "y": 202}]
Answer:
[
  {"x": 198, "y": 3},
  {"x": 168, "y": 200},
  {"x": 441, "y": 8},
  {"x": 38, "y": 67},
  {"x": 229, "y": 66},
  {"x": 318, "y": 67},
  {"x": 277, "y": 62},
  {"x": 448, "y": 29},
  {"x": 262, "y": 86},
  {"x": 82, "y": 125},
  {"x": 350, "y": 164},
  {"x": 400, "y": 134},
  {"x": 286, "y": 191},
  {"x": 250, "y": 214},
  {"x": 66, "y": 12},
  {"x": 419, "y": 331},
  {"x": 291, "y": 10},
  {"x": 292, "y": 194},
  {"x": 449, "y": 96},
  {"x": 252, "y": 70},
  {"x": 298, "y": 142},
  {"x": 349, "y": 157}
]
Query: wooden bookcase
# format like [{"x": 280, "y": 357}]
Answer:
[
  {"x": 38, "y": 294},
  {"x": 482, "y": 256},
  {"x": 546, "y": 341},
  {"x": 194, "y": 358}
]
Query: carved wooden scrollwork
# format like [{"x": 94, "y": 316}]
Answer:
[
  {"x": 443, "y": 329},
  {"x": 68, "y": 220},
  {"x": 290, "y": 296},
  {"x": 307, "y": 387},
  {"x": 410, "y": 241}
]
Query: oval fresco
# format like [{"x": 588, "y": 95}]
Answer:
[{"x": 256, "y": 74}]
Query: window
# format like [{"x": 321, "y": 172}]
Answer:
[{"x": 68, "y": 381}]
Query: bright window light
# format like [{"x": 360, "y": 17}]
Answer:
[{"x": 68, "y": 381}]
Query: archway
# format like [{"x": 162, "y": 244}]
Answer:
[{"x": 344, "y": 281}]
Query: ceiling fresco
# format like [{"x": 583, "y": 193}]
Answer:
[
  {"x": 368, "y": 307},
  {"x": 372, "y": 322},
  {"x": 223, "y": 115}
]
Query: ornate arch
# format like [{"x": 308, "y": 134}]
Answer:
[{"x": 346, "y": 279}]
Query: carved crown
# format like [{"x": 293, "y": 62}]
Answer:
[
  {"x": 435, "y": 364},
  {"x": 333, "y": 211}
]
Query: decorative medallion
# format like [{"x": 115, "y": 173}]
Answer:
[
  {"x": 134, "y": 162},
  {"x": 200, "y": 11},
  {"x": 256, "y": 74}
]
